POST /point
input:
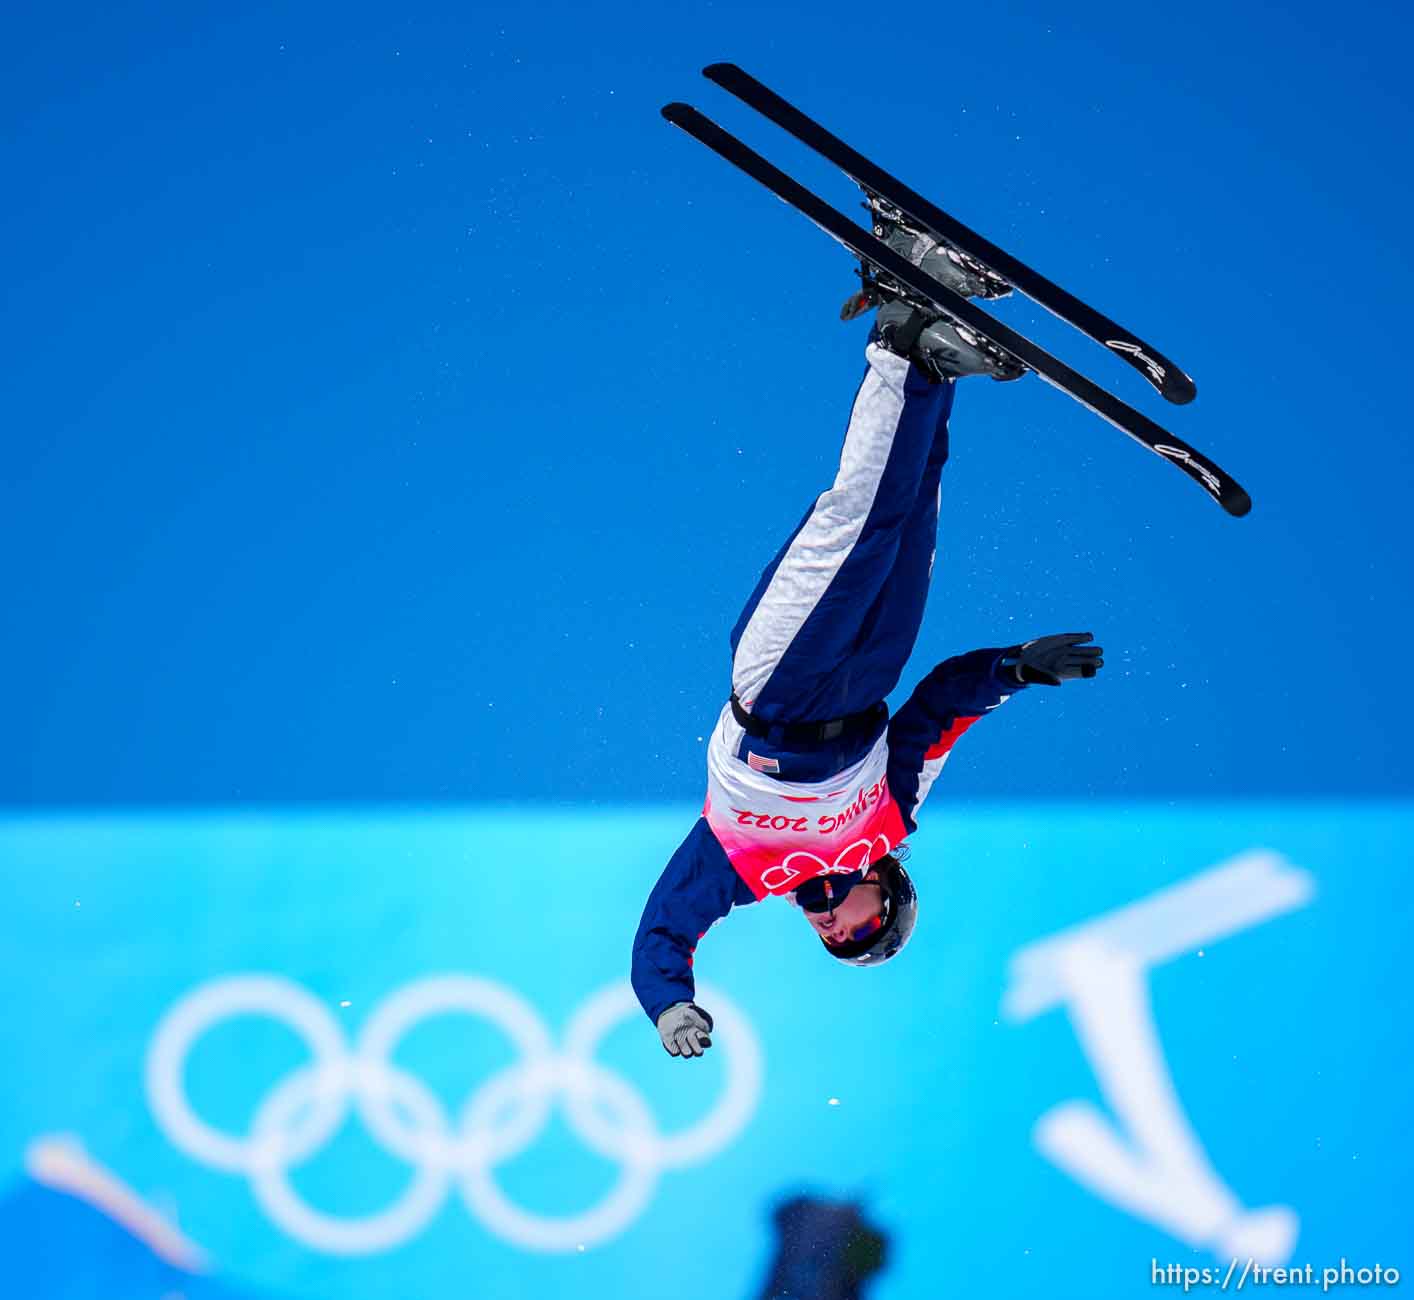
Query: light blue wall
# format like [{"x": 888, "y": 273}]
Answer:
[{"x": 1284, "y": 1038}]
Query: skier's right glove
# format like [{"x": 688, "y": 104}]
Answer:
[
  {"x": 685, "y": 1029},
  {"x": 1051, "y": 660}
]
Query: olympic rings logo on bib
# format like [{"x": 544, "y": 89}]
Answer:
[
  {"x": 802, "y": 865},
  {"x": 503, "y": 1117}
]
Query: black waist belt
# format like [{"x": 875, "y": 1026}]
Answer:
[{"x": 809, "y": 733}]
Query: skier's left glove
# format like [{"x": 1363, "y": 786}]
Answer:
[
  {"x": 1051, "y": 660},
  {"x": 685, "y": 1029}
]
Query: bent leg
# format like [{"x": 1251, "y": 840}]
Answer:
[{"x": 793, "y": 643}]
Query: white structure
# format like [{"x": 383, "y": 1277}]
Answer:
[{"x": 1151, "y": 1163}]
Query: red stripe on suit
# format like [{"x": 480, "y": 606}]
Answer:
[{"x": 949, "y": 738}]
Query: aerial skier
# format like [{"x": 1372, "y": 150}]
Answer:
[{"x": 812, "y": 787}]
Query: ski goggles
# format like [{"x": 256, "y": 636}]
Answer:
[{"x": 825, "y": 893}]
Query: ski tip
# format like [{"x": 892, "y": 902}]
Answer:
[
  {"x": 1180, "y": 390},
  {"x": 1235, "y": 501},
  {"x": 675, "y": 111},
  {"x": 716, "y": 71},
  {"x": 1167, "y": 379}
]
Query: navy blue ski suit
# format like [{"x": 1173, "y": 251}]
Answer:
[{"x": 826, "y": 634}]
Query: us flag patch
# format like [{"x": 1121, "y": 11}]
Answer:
[{"x": 760, "y": 764}]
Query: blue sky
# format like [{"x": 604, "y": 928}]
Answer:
[{"x": 395, "y": 408}]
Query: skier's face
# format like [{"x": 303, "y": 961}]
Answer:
[{"x": 855, "y": 912}]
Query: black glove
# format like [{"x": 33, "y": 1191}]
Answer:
[
  {"x": 685, "y": 1029},
  {"x": 1051, "y": 660}
]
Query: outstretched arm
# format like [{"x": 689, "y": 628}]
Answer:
[
  {"x": 959, "y": 691},
  {"x": 697, "y": 887},
  {"x": 943, "y": 705}
]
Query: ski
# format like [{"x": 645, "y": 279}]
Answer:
[
  {"x": 875, "y": 252},
  {"x": 1162, "y": 373}
]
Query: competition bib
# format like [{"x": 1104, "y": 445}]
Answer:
[{"x": 779, "y": 834}]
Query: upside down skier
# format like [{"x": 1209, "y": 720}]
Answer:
[{"x": 812, "y": 787}]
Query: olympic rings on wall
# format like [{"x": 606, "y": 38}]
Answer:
[{"x": 502, "y": 1118}]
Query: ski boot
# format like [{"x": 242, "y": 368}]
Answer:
[{"x": 942, "y": 348}]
